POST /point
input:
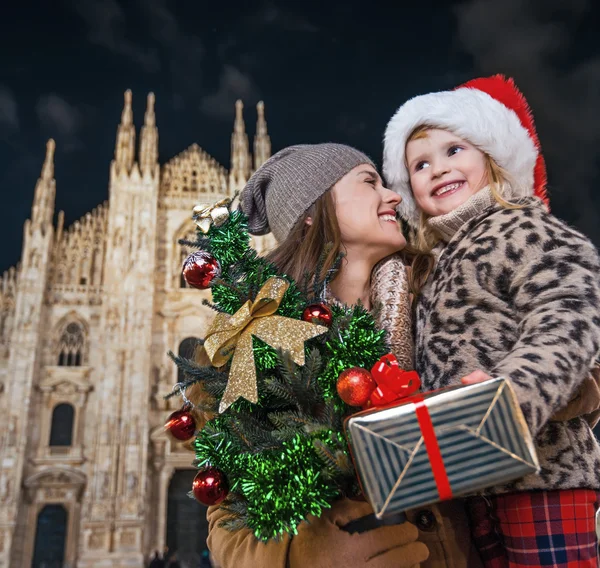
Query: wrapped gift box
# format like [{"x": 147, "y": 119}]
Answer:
[{"x": 439, "y": 445}]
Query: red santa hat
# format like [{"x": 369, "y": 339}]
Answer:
[{"x": 490, "y": 113}]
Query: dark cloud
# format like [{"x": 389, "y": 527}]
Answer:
[
  {"x": 61, "y": 120},
  {"x": 535, "y": 42},
  {"x": 162, "y": 42},
  {"x": 9, "y": 117},
  {"x": 285, "y": 19},
  {"x": 107, "y": 26},
  {"x": 183, "y": 51},
  {"x": 233, "y": 85}
]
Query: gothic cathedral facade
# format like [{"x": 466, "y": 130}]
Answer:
[{"x": 86, "y": 320}]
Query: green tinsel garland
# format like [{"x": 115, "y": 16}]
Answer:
[
  {"x": 356, "y": 343},
  {"x": 280, "y": 486},
  {"x": 229, "y": 242}
]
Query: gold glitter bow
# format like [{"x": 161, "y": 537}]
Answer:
[
  {"x": 205, "y": 215},
  {"x": 232, "y": 335}
]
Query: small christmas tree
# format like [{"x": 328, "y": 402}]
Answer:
[{"x": 272, "y": 450}]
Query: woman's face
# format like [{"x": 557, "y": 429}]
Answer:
[
  {"x": 445, "y": 171},
  {"x": 366, "y": 214}
]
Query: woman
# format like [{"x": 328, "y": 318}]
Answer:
[{"x": 311, "y": 196}]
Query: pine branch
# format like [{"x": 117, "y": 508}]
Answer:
[
  {"x": 207, "y": 407},
  {"x": 216, "y": 388},
  {"x": 344, "y": 463},
  {"x": 292, "y": 375},
  {"x": 279, "y": 390},
  {"x": 240, "y": 436},
  {"x": 212, "y": 306},
  {"x": 235, "y": 505},
  {"x": 192, "y": 369},
  {"x": 254, "y": 433},
  {"x": 331, "y": 272},
  {"x": 325, "y": 419},
  {"x": 290, "y": 419},
  {"x": 237, "y": 510},
  {"x": 326, "y": 455},
  {"x": 305, "y": 285},
  {"x": 310, "y": 372},
  {"x": 242, "y": 296},
  {"x": 214, "y": 381},
  {"x": 202, "y": 243},
  {"x": 237, "y": 271},
  {"x": 286, "y": 367},
  {"x": 285, "y": 434},
  {"x": 257, "y": 282},
  {"x": 322, "y": 281}
]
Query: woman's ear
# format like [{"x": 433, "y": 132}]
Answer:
[{"x": 308, "y": 221}]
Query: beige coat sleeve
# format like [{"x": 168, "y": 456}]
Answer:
[{"x": 240, "y": 549}]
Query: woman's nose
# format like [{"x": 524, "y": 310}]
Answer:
[{"x": 391, "y": 197}]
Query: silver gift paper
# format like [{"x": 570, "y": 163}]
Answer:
[{"x": 481, "y": 431}]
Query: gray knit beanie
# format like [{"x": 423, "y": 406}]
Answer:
[{"x": 282, "y": 190}]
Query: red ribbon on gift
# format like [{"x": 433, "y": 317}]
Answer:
[
  {"x": 394, "y": 384},
  {"x": 433, "y": 448}
]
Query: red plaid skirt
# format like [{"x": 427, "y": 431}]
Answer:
[{"x": 538, "y": 528}]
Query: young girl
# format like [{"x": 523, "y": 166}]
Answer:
[
  {"x": 309, "y": 196},
  {"x": 515, "y": 293}
]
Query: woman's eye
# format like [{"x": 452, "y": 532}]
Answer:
[{"x": 454, "y": 150}]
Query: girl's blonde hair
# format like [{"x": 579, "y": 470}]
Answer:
[{"x": 424, "y": 239}]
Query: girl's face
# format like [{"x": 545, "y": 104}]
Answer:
[
  {"x": 445, "y": 171},
  {"x": 366, "y": 214}
]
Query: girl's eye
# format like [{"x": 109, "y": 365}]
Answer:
[
  {"x": 454, "y": 150},
  {"x": 371, "y": 181},
  {"x": 420, "y": 166}
]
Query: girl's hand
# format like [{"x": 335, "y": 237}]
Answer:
[{"x": 475, "y": 377}]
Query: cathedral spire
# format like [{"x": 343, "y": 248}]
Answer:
[
  {"x": 125, "y": 146},
  {"x": 240, "y": 155},
  {"x": 42, "y": 210},
  {"x": 262, "y": 142},
  {"x": 48, "y": 167},
  {"x": 149, "y": 139}
]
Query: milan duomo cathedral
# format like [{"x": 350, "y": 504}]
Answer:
[{"x": 88, "y": 477}]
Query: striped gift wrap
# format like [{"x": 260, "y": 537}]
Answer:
[{"x": 479, "y": 438}]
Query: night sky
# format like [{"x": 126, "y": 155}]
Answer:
[{"x": 327, "y": 71}]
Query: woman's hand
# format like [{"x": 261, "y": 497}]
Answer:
[
  {"x": 323, "y": 543},
  {"x": 475, "y": 377}
]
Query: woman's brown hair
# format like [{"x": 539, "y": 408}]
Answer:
[{"x": 299, "y": 255}]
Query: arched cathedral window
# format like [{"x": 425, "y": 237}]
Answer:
[
  {"x": 61, "y": 432},
  {"x": 50, "y": 537},
  {"x": 70, "y": 346}
]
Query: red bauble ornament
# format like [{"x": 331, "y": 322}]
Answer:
[
  {"x": 200, "y": 269},
  {"x": 318, "y": 313},
  {"x": 181, "y": 425},
  {"x": 210, "y": 486},
  {"x": 355, "y": 385}
]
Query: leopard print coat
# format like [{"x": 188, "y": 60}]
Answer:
[{"x": 516, "y": 293}]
